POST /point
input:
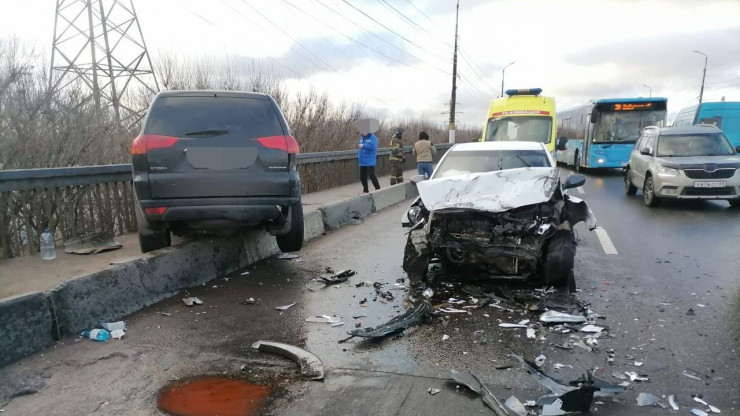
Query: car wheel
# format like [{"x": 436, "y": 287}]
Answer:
[
  {"x": 559, "y": 258},
  {"x": 629, "y": 188},
  {"x": 293, "y": 240},
  {"x": 577, "y": 162},
  {"x": 735, "y": 203},
  {"x": 151, "y": 237},
  {"x": 648, "y": 192}
]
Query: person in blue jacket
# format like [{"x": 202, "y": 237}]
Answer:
[{"x": 367, "y": 156}]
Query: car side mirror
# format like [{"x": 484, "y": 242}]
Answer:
[
  {"x": 574, "y": 181},
  {"x": 418, "y": 178},
  {"x": 646, "y": 151},
  {"x": 562, "y": 143}
]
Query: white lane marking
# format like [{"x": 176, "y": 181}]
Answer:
[
  {"x": 580, "y": 190},
  {"x": 606, "y": 242}
]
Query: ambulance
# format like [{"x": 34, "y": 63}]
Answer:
[{"x": 522, "y": 115}]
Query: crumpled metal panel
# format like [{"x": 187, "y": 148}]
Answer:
[{"x": 496, "y": 191}]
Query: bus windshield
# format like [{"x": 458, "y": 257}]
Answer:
[
  {"x": 519, "y": 128},
  {"x": 625, "y": 127}
]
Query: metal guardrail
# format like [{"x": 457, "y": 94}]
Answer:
[
  {"x": 24, "y": 179},
  {"x": 75, "y": 201}
]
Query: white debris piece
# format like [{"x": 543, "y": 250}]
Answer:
[
  {"x": 592, "y": 328},
  {"x": 428, "y": 293},
  {"x": 433, "y": 391},
  {"x": 691, "y": 376},
  {"x": 714, "y": 409},
  {"x": 192, "y": 301},
  {"x": 698, "y": 412},
  {"x": 635, "y": 377},
  {"x": 619, "y": 376},
  {"x": 555, "y": 316},
  {"x": 445, "y": 337},
  {"x": 699, "y": 400},
  {"x": 531, "y": 333},
  {"x": 530, "y": 403},
  {"x": 672, "y": 402},
  {"x": 324, "y": 319},
  {"x": 647, "y": 399},
  {"x": 553, "y": 409},
  {"x": 337, "y": 324},
  {"x": 580, "y": 343},
  {"x": 516, "y": 406},
  {"x": 507, "y": 325},
  {"x": 117, "y": 333},
  {"x": 112, "y": 326},
  {"x": 637, "y": 363},
  {"x": 285, "y": 307},
  {"x": 452, "y": 310},
  {"x": 540, "y": 360},
  {"x": 523, "y": 322}
]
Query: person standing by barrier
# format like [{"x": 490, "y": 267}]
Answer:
[
  {"x": 424, "y": 151},
  {"x": 397, "y": 158},
  {"x": 367, "y": 156}
]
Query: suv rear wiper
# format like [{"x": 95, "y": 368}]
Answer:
[
  {"x": 523, "y": 161},
  {"x": 209, "y": 133}
]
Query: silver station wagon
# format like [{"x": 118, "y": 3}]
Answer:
[{"x": 694, "y": 162}]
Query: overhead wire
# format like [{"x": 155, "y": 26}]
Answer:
[{"x": 290, "y": 36}]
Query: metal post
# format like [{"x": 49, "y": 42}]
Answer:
[
  {"x": 453, "y": 99},
  {"x": 503, "y": 73},
  {"x": 651, "y": 90},
  {"x": 91, "y": 40},
  {"x": 703, "y": 76}
]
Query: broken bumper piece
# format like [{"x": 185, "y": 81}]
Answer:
[
  {"x": 410, "y": 318},
  {"x": 311, "y": 366}
]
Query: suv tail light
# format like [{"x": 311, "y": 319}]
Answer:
[
  {"x": 285, "y": 143},
  {"x": 155, "y": 210},
  {"x": 146, "y": 142}
]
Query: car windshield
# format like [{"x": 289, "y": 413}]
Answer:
[
  {"x": 625, "y": 126},
  {"x": 694, "y": 145},
  {"x": 519, "y": 128},
  {"x": 477, "y": 161}
]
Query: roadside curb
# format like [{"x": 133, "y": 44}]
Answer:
[{"x": 83, "y": 302}]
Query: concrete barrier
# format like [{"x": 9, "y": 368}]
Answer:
[
  {"x": 340, "y": 213},
  {"x": 25, "y": 326},
  {"x": 388, "y": 196},
  {"x": 111, "y": 294}
]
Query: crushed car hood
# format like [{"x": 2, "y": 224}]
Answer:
[{"x": 496, "y": 191}]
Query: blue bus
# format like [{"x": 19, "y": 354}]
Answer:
[
  {"x": 724, "y": 114},
  {"x": 602, "y": 133}
]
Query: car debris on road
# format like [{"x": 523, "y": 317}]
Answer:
[
  {"x": 285, "y": 307},
  {"x": 311, "y": 366},
  {"x": 413, "y": 316},
  {"x": 192, "y": 301},
  {"x": 338, "y": 277}
]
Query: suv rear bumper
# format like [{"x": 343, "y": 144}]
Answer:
[{"x": 246, "y": 211}]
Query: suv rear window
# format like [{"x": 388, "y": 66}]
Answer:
[{"x": 246, "y": 117}]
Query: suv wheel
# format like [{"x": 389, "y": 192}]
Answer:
[
  {"x": 629, "y": 188},
  {"x": 648, "y": 192},
  {"x": 559, "y": 257},
  {"x": 151, "y": 237},
  {"x": 293, "y": 240}
]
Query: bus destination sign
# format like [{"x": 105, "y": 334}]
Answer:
[{"x": 632, "y": 106}]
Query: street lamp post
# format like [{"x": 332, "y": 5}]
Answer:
[
  {"x": 503, "y": 73},
  {"x": 703, "y": 76},
  {"x": 650, "y": 89}
]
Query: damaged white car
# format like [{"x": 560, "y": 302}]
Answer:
[{"x": 500, "y": 206}]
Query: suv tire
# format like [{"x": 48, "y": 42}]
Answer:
[
  {"x": 629, "y": 188},
  {"x": 293, "y": 240},
  {"x": 648, "y": 192},
  {"x": 151, "y": 237},
  {"x": 559, "y": 258}
]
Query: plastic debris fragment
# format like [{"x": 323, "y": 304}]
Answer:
[
  {"x": 555, "y": 316},
  {"x": 398, "y": 324},
  {"x": 516, "y": 406},
  {"x": 698, "y": 412},
  {"x": 592, "y": 328},
  {"x": 638, "y": 363},
  {"x": 324, "y": 319},
  {"x": 647, "y": 399},
  {"x": 432, "y": 391},
  {"x": 699, "y": 400},
  {"x": 287, "y": 256},
  {"x": 285, "y": 307},
  {"x": 445, "y": 337},
  {"x": 311, "y": 366},
  {"x": 249, "y": 301},
  {"x": 508, "y": 325},
  {"x": 531, "y": 334},
  {"x": 428, "y": 293},
  {"x": 635, "y": 377},
  {"x": 619, "y": 376},
  {"x": 714, "y": 409},
  {"x": 112, "y": 326},
  {"x": 540, "y": 360},
  {"x": 673, "y": 403},
  {"x": 338, "y": 277},
  {"x": 117, "y": 333},
  {"x": 192, "y": 301}
]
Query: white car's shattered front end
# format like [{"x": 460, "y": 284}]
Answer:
[{"x": 511, "y": 222}]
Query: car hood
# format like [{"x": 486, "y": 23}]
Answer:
[
  {"x": 700, "y": 161},
  {"x": 496, "y": 191}
]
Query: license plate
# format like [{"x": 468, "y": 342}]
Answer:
[{"x": 710, "y": 184}]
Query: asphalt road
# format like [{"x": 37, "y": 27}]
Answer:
[{"x": 663, "y": 262}]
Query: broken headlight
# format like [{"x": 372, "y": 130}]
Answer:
[{"x": 414, "y": 214}]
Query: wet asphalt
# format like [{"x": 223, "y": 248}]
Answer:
[{"x": 669, "y": 259}]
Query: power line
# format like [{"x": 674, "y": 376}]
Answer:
[
  {"x": 419, "y": 10},
  {"x": 289, "y": 36},
  {"x": 394, "y": 32}
]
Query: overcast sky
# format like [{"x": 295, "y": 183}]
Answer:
[{"x": 574, "y": 50}]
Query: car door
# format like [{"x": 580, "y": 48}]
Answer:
[{"x": 638, "y": 161}]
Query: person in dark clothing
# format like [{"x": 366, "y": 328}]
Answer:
[
  {"x": 397, "y": 158},
  {"x": 367, "y": 156}
]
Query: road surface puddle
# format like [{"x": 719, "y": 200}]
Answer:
[{"x": 212, "y": 396}]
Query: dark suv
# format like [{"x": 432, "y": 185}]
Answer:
[{"x": 216, "y": 161}]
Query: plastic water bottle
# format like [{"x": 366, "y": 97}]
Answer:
[
  {"x": 97, "y": 334},
  {"x": 48, "y": 251}
]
